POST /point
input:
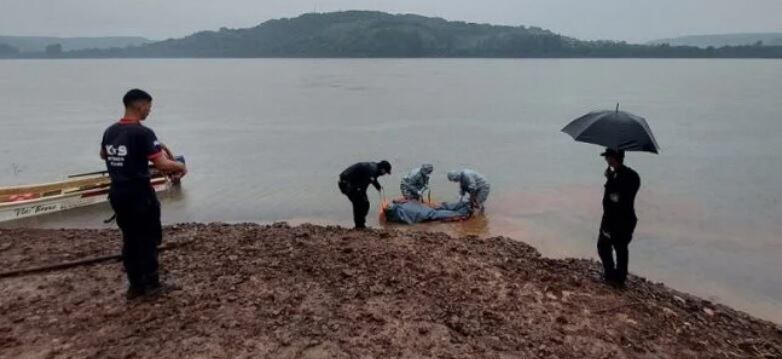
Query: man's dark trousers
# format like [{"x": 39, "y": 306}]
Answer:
[
  {"x": 138, "y": 217},
  {"x": 358, "y": 198},
  {"x": 620, "y": 236}
]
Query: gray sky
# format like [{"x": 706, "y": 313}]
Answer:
[{"x": 630, "y": 20}]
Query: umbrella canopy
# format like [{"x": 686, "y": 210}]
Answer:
[{"x": 616, "y": 130}]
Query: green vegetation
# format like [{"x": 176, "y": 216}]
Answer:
[
  {"x": 8, "y": 51},
  {"x": 704, "y": 41},
  {"x": 376, "y": 34},
  {"x": 37, "y": 44}
]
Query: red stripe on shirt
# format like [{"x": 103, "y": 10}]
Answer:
[{"x": 126, "y": 121}]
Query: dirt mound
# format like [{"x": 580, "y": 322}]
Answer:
[{"x": 326, "y": 292}]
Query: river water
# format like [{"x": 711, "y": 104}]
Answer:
[{"x": 266, "y": 139}]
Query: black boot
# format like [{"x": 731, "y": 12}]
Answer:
[
  {"x": 157, "y": 288},
  {"x": 134, "y": 293},
  {"x": 161, "y": 289}
]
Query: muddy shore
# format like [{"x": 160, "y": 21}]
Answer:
[{"x": 327, "y": 292}]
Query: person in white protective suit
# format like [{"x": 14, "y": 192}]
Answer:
[
  {"x": 416, "y": 182},
  {"x": 473, "y": 184}
]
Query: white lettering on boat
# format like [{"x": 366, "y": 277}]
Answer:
[{"x": 34, "y": 210}]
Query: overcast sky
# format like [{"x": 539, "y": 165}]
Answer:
[{"x": 630, "y": 20}]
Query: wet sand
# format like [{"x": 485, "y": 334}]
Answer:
[{"x": 328, "y": 292}]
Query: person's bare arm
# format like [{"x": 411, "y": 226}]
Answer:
[
  {"x": 167, "y": 151},
  {"x": 163, "y": 164},
  {"x": 103, "y": 154}
]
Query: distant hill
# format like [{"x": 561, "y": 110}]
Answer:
[
  {"x": 360, "y": 34},
  {"x": 8, "y": 51},
  {"x": 703, "y": 41},
  {"x": 353, "y": 34},
  {"x": 32, "y": 44}
]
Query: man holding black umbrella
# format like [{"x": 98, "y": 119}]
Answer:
[
  {"x": 618, "y": 131},
  {"x": 619, "y": 219}
]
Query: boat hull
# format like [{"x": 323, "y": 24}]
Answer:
[{"x": 10, "y": 211}]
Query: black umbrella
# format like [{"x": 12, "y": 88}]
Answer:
[{"x": 616, "y": 130}]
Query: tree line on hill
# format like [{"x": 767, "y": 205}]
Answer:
[{"x": 364, "y": 34}]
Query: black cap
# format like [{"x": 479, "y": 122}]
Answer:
[
  {"x": 610, "y": 152},
  {"x": 384, "y": 165}
]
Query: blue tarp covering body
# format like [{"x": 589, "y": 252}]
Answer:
[{"x": 412, "y": 212}]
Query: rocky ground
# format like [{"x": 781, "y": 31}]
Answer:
[{"x": 276, "y": 291}]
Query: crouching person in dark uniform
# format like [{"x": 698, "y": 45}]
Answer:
[
  {"x": 354, "y": 181},
  {"x": 619, "y": 219},
  {"x": 128, "y": 147}
]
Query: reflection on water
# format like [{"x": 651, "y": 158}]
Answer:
[{"x": 475, "y": 226}]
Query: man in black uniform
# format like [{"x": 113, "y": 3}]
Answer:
[
  {"x": 128, "y": 147},
  {"x": 619, "y": 220},
  {"x": 353, "y": 183}
]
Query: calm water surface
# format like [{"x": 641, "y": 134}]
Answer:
[{"x": 265, "y": 140}]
